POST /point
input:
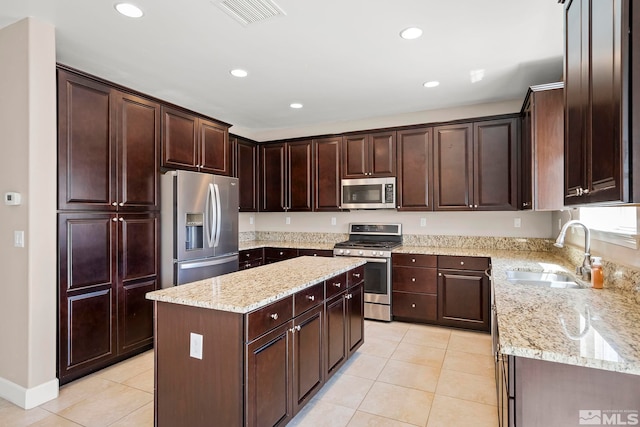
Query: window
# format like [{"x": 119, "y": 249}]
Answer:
[{"x": 617, "y": 225}]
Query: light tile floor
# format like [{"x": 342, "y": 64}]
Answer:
[{"x": 404, "y": 375}]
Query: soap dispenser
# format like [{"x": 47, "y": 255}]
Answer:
[{"x": 597, "y": 277}]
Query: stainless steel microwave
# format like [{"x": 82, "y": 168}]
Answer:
[{"x": 369, "y": 193}]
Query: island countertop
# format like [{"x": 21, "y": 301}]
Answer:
[{"x": 248, "y": 290}]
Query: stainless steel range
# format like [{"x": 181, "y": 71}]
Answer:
[{"x": 373, "y": 242}]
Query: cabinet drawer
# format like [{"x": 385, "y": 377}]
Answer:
[
  {"x": 269, "y": 317},
  {"x": 308, "y": 298},
  {"x": 355, "y": 276},
  {"x": 245, "y": 265},
  {"x": 279, "y": 254},
  {"x": 315, "y": 252},
  {"x": 251, "y": 254},
  {"x": 415, "y": 306},
  {"x": 335, "y": 285},
  {"x": 414, "y": 260},
  {"x": 422, "y": 280},
  {"x": 463, "y": 263}
]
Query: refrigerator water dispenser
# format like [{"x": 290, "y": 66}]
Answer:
[{"x": 195, "y": 231}]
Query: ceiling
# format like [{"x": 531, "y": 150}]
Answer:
[{"x": 342, "y": 59}]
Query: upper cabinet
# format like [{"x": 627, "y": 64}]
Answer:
[
  {"x": 475, "y": 165},
  {"x": 195, "y": 143},
  {"x": 285, "y": 176},
  {"x": 542, "y": 139},
  {"x": 601, "y": 87},
  {"x": 415, "y": 169},
  {"x": 369, "y": 155},
  {"x": 326, "y": 174},
  {"x": 247, "y": 172},
  {"x": 108, "y": 143}
]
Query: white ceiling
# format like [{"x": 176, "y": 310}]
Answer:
[{"x": 343, "y": 59}]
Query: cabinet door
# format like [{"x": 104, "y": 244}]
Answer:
[
  {"x": 269, "y": 372},
  {"x": 87, "y": 288},
  {"x": 495, "y": 165},
  {"x": 299, "y": 172},
  {"x": 138, "y": 142},
  {"x": 179, "y": 139},
  {"x": 355, "y": 317},
  {"x": 355, "y": 156},
  {"x": 382, "y": 154},
  {"x": 453, "y": 167},
  {"x": 247, "y": 172},
  {"x": 463, "y": 299},
  {"x": 336, "y": 330},
  {"x": 326, "y": 174},
  {"x": 86, "y": 144},
  {"x": 272, "y": 174},
  {"x": 308, "y": 366},
  {"x": 415, "y": 170},
  {"x": 138, "y": 247},
  {"x": 215, "y": 150}
]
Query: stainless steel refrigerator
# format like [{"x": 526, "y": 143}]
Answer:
[{"x": 199, "y": 226}]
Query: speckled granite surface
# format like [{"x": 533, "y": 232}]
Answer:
[{"x": 244, "y": 291}]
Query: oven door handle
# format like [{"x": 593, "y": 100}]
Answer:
[{"x": 378, "y": 260}]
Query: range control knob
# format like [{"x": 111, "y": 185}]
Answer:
[
  {"x": 341, "y": 251},
  {"x": 360, "y": 252},
  {"x": 347, "y": 252}
]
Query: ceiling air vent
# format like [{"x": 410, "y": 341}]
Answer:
[{"x": 249, "y": 11}]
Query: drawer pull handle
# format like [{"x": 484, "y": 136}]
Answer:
[
  {"x": 348, "y": 296},
  {"x": 114, "y": 204},
  {"x": 413, "y": 279},
  {"x": 114, "y": 219},
  {"x": 247, "y": 255},
  {"x": 281, "y": 253},
  {"x": 461, "y": 262},
  {"x": 292, "y": 330},
  {"x": 356, "y": 275},
  {"x": 311, "y": 297},
  {"x": 274, "y": 316},
  {"x": 337, "y": 285},
  {"x": 413, "y": 306},
  {"x": 413, "y": 260},
  {"x": 440, "y": 274}
]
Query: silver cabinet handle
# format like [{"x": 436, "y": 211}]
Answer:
[
  {"x": 298, "y": 327},
  {"x": 281, "y": 253},
  {"x": 337, "y": 284},
  {"x": 475, "y": 206},
  {"x": 114, "y": 204},
  {"x": 311, "y": 297},
  {"x": 413, "y": 279},
  {"x": 292, "y": 330},
  {"x": 274, "y": 316},
  {"x": 440, "y": 274},
  {"x": 348, "y": 296},
  {"x": 413, "y": 260},
  {"x": 114, "y": 219},
  {"x": 120, "y": 219},
  {"x": 461, "y": 262},
  {"x": 356, "y": 275},
  {"x": 121, "y": 204},
  {"x": 413, "y": 306}
]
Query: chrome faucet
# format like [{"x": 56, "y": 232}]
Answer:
[{"x": 585, "y": 269}]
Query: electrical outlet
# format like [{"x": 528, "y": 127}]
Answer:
[
  {"x": 333, "y": 220},
  {"x": 287, "y": 220},
  {"x": 559, "y": 224},
  {"x": 517, "y": 223},
  {"x": 18, "y": 239},
  {"x": 423, "y": 222},
  {"x": 251, "y": 220},
  {"x": 195, "y": 347}
]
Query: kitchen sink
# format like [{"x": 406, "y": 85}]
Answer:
[{"x": 542, "y": 279}]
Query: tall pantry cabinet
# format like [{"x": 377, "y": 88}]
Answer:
[{"x": 108, "y": 223}]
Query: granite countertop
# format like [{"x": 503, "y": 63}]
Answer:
[
  {"x": 549, "y": 324},
  {"x": 247, "y": 290}
]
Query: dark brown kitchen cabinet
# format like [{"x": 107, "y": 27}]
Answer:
[
  {"x": 191, "y": 142},
  {"x": 475, "y": 165},
  {"x": 542, "y": 141},
  {"x": 250, "y": 258},
  {"x": 415, "y": 287},
  {"x": 315, "y": 252},
  {"x": 601, "y": 90},
  {"x": 464, "y": 292},
  {"x": 285, "y": 177},
  {"x": 108, "y": 262},
  {"x": 272, "y": 255},
  {"x": 108, "y": 144},
  {"x": 247, "y": 173},
  {"x": 369, "y": 155},
  {"x": 415, "y": 170},
  {"x": 326, "y": 174},
  {"x": 308, "y": 357}
]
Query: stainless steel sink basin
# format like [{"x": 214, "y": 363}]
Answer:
[{"x": 542, "y": 279}]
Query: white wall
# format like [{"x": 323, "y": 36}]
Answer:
[
  {"x": 28, "y": 145},
  {"x": 496, "y": 224}
]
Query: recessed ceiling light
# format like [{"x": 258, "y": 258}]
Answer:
[
  {"x": 296, "y": 105},
  {"x": 239, "y": 73},
  {"x": 476, "y": 75},
  {"x": 411, "y": 33},
  {"x": 432, "y": 83},
  {"x": 127, "y": 9}
]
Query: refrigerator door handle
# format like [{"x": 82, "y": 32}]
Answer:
[
  {"x": 218, "y": 211},
  {"x": 213, "y": 261},
  {"x": 208, "y": 216}
]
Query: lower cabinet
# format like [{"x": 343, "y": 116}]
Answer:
[
  {"x": 415, "y": 287},
  {"x": 272, "y": 255},
  {"x": 250, "y": 258},
  {"x": 107, "y": 264}
]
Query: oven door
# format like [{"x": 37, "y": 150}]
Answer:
[{"x": 377, "y": 280}]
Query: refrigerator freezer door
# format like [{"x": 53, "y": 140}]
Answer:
[
  {"x": 226, "y": 205},
  {"x": 191, "y": 229},
  {"x": 191, "y": 271}
]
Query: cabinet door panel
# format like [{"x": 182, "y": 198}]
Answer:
[
  {"x": 453, "y": 167},
  {"x": 355, "y": 319},
  {"x": 272, "y": 174},
  {"x": 411, "y": 306},
  {"x": 138, "y": 136},
  {"x": 138, "y": 246},
  {"x": 215, "y": 154},
  {"x": 299, "y": 172},
  {"x": 135, "y": 315},
  {"x": 421, "y": 280},
  {"x": 382, "y": 154},
  {"x": 247, "y": 171},
  {"x": 336, "y": 351},
  {"x": 463, "y": 300},
  {"x": 327, "y": 174},
  {"x": 86, "y": 144},
  {"x": 495, "y": 165},
  {"x": 179, "y": 139},
  {"x": 307, "y": 356},
  {"x": 354, "y": 156},
  {"x": 415, "y": 170}
]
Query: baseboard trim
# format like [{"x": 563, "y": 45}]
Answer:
[{"x": 28, "y": 398}]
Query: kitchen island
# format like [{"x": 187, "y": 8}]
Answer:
[{"x": 252, "y": 347}]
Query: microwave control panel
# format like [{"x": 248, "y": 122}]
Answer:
[{"x": 388, "y": 194}]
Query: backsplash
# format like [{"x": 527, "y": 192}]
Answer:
[{"x": 479, "y": 242}]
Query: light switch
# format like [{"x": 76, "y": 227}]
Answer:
[
  {"x": 195, "y": 348},
  {"x": 333, "y": 220},
  {"x": 517, "y": 223},
  {"x": 287, "y": 220},
  {"x": 18, "y": 239},
  {"x": 423, "y": 222}
]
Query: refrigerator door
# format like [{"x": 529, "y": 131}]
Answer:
[
  {"x": 225, "y": 208},
  {"x": 193, "y": 206},
  {"x": 191, "y": 271}
]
